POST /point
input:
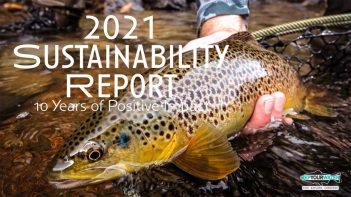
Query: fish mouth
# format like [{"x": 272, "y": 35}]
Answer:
[
  {"x": 101, "y": 174},
  {"x": 58, "y": 182},
  {"x": 69, "y": 183}
]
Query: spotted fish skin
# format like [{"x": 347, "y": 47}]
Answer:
[{"x": 220, "y": 96}]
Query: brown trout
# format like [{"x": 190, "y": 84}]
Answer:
[{"x": 209, "y": 103}]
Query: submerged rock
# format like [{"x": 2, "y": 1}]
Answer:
[
  {"x": 168, "y": 4},
  {"x": 26, "y": 158},
  {"x": 118, "y": 5},
  {"x": 139, "y": 5},
  {"x": 47, "y": 15}
]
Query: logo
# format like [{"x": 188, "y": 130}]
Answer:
[{"x": 318, "y": 180}]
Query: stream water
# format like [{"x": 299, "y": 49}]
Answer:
[{"x": 272, "y": 162}]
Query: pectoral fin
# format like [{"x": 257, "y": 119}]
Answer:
[
  {"x": 209, "y": 155},
  {"x": 246, "y": 37}
]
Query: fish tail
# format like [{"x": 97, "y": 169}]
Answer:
[{"x": 319, "y": 101}]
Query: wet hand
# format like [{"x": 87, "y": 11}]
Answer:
[{"x": 268, "y": 108}]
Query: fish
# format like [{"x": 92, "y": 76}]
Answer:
[{"x": 189, "y": 129}]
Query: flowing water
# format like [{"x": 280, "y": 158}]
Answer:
[{"x": 272, "y": 162}]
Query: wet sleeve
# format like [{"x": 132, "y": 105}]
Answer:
[{"x": 208, "y": 9}]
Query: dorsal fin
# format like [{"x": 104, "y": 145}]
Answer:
[{"x": 245, "y": 36}]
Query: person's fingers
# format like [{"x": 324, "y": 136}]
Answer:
[
  {"x": 262, "y": 114},
  {"x": 278, "y": 110},
  {"x": 267, "y": 108},
  {"x": 279, "y": 102},
  {"x": 207, "y": 40},
  {"x": 195, "y": 44},
  {"x": 288, "y": 121}
]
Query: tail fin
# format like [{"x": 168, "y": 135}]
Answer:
[{"x": 319, "y": 102}]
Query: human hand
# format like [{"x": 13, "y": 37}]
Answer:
[{"x": 268, "y": 108}]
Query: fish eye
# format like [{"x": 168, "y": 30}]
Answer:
[{"x": 94, "y": 154}]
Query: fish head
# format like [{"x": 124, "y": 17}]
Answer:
[
  {"x": 121, "y": 147},
  {"x": 85, "y": 159}
]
